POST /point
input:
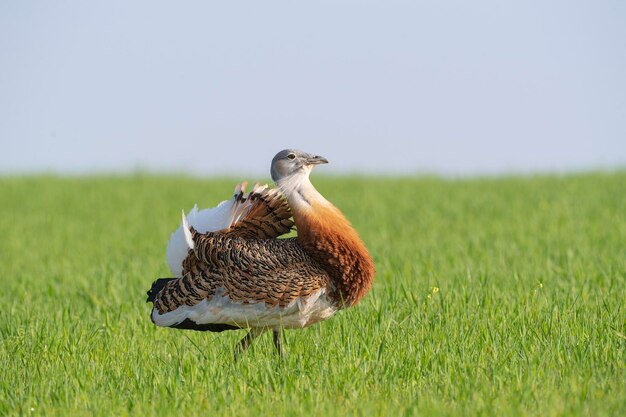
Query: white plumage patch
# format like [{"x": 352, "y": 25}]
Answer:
[
  {"x": 187, "y": 232},
  {"x": 221, "y": 309}
]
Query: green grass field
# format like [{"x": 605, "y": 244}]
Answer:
[{"x": 493, "y": 297}]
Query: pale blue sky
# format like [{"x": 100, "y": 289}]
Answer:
[{"x": 449, "y": 87}]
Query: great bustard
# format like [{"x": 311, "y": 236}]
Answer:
[{"x": 233, "y": 271}]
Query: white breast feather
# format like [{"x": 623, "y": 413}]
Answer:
[{"x": 301, "y": 312}]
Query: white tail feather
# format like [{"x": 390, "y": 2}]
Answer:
[{"x": 187, "y": 232}]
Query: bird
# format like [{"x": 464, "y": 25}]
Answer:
[{"x": 233, "y": 268}]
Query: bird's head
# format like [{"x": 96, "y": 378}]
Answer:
[{"x": 290, "y": 163}]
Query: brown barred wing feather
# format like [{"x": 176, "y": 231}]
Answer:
[
  {"x": 263, "y": 213},
  {"x": 274, "y": 272}
]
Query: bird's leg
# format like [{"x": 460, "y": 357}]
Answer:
[
  {"x": 247, "y": 341},
  {"x": 277, "y": 342}
]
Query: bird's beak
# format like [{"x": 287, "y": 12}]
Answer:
[{"x": 316, "y": 160}]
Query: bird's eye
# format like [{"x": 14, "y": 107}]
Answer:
[{"x": 291, "y": 156}]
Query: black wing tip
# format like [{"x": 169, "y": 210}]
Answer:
[
  {"x": 156, "y": 288},
  {"x": 188, "y": 324}
]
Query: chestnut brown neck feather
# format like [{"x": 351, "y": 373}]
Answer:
[{"x": 330, "y": 239}]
